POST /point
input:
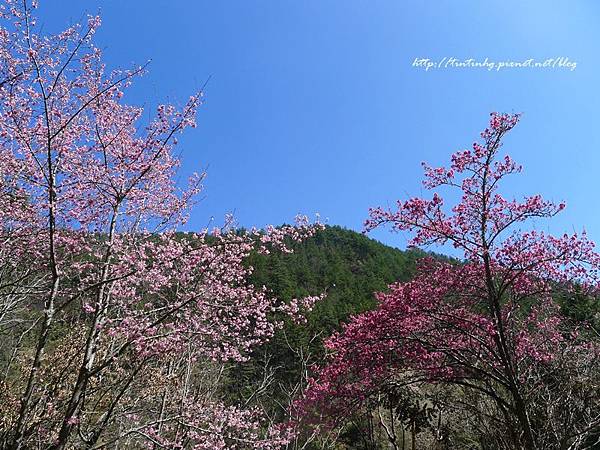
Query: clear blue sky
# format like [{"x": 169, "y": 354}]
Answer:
[{"x": 314, "y": 106}]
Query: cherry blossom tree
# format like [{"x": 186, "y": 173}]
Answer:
[
  {"x": 113, "y": 320},
  {"x": 489, "y": 327}
]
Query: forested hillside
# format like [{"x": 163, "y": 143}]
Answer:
[{"x": 350, "y": 267}]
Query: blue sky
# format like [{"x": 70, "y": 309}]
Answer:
[{"x": 314, "y": 106}]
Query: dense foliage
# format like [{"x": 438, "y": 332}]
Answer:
[{"x": 349, "y": 267}]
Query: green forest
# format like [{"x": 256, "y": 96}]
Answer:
[{"x": 350, "y": 267}]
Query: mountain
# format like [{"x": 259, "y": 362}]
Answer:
[{"x": 350, "y": 267}]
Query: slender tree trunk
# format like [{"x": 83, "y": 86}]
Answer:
[
  {"x": 494, "y": 303},
  {"x": 91, "y": 343},
  {"x": 521, "y": 411},
  {"x": 35, "y": 366},
  {"x": 49, "y": 308}
]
